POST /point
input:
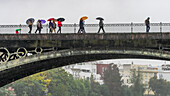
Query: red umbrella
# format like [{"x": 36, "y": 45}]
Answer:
[{"x": 50, "y": 19}]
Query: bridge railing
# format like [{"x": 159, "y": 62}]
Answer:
[{"x": 92, "y": 28}]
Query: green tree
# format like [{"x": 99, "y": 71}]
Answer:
[
  {"x": 127, "y": 91},
  {"x": 112, "y": 79},
  {"x": 5, "y": 92},
  {"x": 159, "y": 86},
  {"x": 31, "y": 88},
  {"x": 137, "y": 87}
]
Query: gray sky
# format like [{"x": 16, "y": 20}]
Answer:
[{"x": 113, "y": 11}]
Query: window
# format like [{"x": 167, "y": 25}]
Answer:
[
  {"x": 103, "y": 69},
  {"x": 150, "y": 74}
]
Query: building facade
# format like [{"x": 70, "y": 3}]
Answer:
[{"x": 84, "y": 71}]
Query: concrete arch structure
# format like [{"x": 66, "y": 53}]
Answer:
[{"x": 19, "y": 68}]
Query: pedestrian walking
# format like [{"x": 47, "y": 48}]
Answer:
[
  {"x": 82, "y": 25},
  {"x": 39, "y": 27},
  {"x": 50, "y": 27},
  {"x": 147, "y": 23},
  {"x": 30, "y": 26},
  {"x": 101, "y": 24},
  {"x": 54, "y": 26},
  {"x": 59, "y": 26}
]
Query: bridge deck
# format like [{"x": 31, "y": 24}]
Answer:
[{"x": 88, "y": 36}]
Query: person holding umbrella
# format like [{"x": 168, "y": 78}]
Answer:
[
  {"x": 51, "y": 24},
  {"x": 82, "y": 24},
  {"x": 59, "y": 23},
  {"x": 50, "y": 27},
  {"x": 39, "y": 26},
  {"x": 30, "y": 22},
  {"x": 101, "y": 24},
  {"x": 30, "y": 26},
  {"x": 59, "y": 26},
  {"x": 54, "y": 26}
]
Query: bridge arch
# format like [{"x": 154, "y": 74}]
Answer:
[{"x": 19, "y": 68}]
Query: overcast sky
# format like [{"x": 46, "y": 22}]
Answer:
[
  {"x": 152, "y": 62},
  {"x": 113, "y": 11}
]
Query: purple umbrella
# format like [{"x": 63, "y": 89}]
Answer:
[{"x": 42, "y": 21}]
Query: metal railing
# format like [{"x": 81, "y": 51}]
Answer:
[{"x": 92, "y": 28}]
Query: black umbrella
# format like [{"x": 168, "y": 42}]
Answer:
[
  {"x": 60, "y": 19},
  {"x": 99, "y": 18}
]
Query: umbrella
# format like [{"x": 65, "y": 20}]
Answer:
[
  {"x": 50, "y": 19},
  {"x": 84, "y": 18},
  {"x": 60, "y": 19},
  {"x": 30, "y": 20},
  {"x": 18, "y": 29},
  {"x": 99, "y": 18},
  {"x": 42, "y": 21}
]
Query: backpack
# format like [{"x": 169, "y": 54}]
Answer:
[{"x": 145, "y": 21}]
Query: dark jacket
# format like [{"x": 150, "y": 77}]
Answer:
[
  {"x": 147, "y": 22},
  {"x": 81, "y": 23},
  {"x": 50, "y": 25},
  {"x": 101, "y": 23}
]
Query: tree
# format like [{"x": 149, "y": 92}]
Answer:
[
  {"x": 31, "y": 88},
  {"x": 127, "y": 91},
  {"x": 137, "y": 87},
  {"x": 159, "y": 86},
  {"x": 112, "y": 79}
]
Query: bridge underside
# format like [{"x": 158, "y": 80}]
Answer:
[{"x": 12, "y": 74}]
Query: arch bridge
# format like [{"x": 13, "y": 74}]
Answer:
[{"x": 22, "y": 55}]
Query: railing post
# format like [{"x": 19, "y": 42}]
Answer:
[
  {"x": 47, "y": 28},
  {"x": 74, "y": 27},
  {"x": 160, "y": 27},
  {"x": 131, "y": 27},
  {"x": 20, "y": 28}
]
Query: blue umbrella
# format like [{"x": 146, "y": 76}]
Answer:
[
  {"x": 43, "y": 21},
  {"x": 30, "y": 19}
]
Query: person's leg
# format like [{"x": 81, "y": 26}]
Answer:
[
  {"x": 49, "y": 30},
  {"x": 99, "y": 30},
  {"x": 79, "y": 30},
  {"x": 30, "y": 29},
  {"x": 84, "y": 30},
  {"x": 54, "y": 30},
  {"x": 146, "y": 29},
  {"x": 103, "y": 30},
  {"x": 36, "y": 30},
  {"x": 39, "y": 29},
  {"x": 60, "y": 29}
]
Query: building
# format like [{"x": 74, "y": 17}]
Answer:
[
  {"x": 125, "y": 72},
  {"x": 101, "y": 68},
  {"x": 146, "y": 72},
  {"x": 84, "y": 71},
  {"x": 164, "y": 72}
]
